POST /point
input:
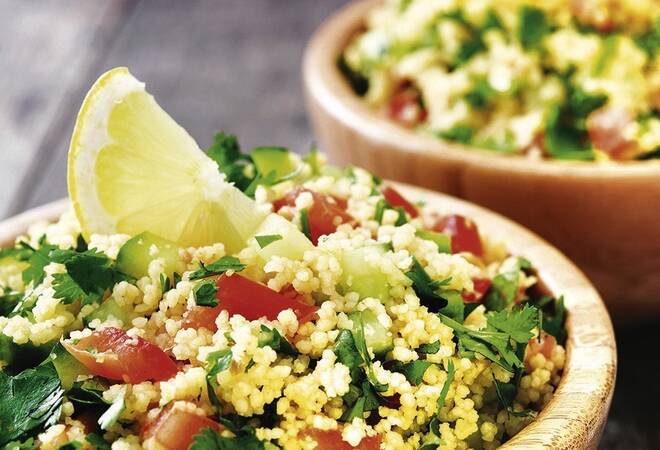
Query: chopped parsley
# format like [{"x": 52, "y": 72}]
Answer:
[
  {"x": 204, "y": 294},
  {"x": 445, "y": 387},
  {"x": 237, "y": 167},
  {"x": 430, "y": 348},
  {"x": 208, "y": 439},
  {"x": 97, "y": 442},
  {"x": 267, "y": 239},
  {"x": 29, "y": 402},
  {"x": 533, "y": 26},
  {"x": 304, "y": 223},
  {"x": 426, "y": 288},
  {"x": 111, "y": 415},
  {"x": 413, "y": 371},
  {"x": 506, "y": 393},
  {"x": 218, "y": 267},
  {"x": 270, "y": 337}
]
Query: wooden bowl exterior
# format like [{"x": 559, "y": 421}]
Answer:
[
  {"x": 575, "y": 417},
  {"x": 604, "y": 217}
]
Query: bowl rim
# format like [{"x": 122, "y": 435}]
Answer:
[
  {"x": 575, "y": 416},
  {"x": 326, "y": 85}
]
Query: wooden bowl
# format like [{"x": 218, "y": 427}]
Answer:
[
  {"x": 604, "y": 217},
  {"x": 575, "y": 417}
]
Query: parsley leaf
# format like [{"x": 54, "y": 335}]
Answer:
[
  {"x": 304, "y": 223},
  {"x": 29, "y": 402},
  {"x": 554, "y": 317},
  {"x": 445, "y": 387},
  {"x": 204, "y": 294},
  {"x": 506, "y": 393},
  {"x": 429, "y": 349},
  {"x": 426, "y": 288},
  {"x": 272, "y": 338},
  {"x": 218, "y": 362},
  {"x": 37, "y": 261},
  {"x": 208, "y": 439},
  {"x": 73, "y": 445},
  {"x": 226, "y": 152},
  {"x": 650, "y": 41},
  {"x": 111, "y": 415},
  {"x": 28, "y": 444},
  {"x": 97, "y": 442},
  {"x": 518, "y": 325},
  {"x": 533, "y": 26},
  {"x": 413, "y": 371},
  {"x": 267, "y": 239},
  {"x": 218, "y": 267},
  {"x": 459, "y": 133}
]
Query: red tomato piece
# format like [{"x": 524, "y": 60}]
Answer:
[
  {"x": 606, "y": 127},
  {"x": 464, "y": 234},
  {"x": 405, "y": 107},
  {"x": 113, "y": 354},
  {"x": 175, "y": 429},
  {"x": 545, "y": 346},
  {"x": 322, "y": 214},
  {"x": 395, "y": 199},
  {"x": 331, "y": 440},
  {"x": 239, "y": 295},
  {"x": 481, "y": 287}
]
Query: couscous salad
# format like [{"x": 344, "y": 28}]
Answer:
[
  {"x": 316, "y": 307},
  {"x": 565, "y": 79}
]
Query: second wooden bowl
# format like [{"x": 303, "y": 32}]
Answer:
[{"x": 604, "y": 217}]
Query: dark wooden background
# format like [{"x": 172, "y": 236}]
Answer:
[{"x": 231, "y": 65}]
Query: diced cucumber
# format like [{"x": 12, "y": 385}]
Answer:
[
  {"x": 377, "y": 337},
  {"x": 68, "y": 368},
  {"x": 136, "y": 254},
  {"x": 361, "y": 274},
  {"x": 442, "y": 240},
  {"x": 275, "y": 159},
  {"x": 108, "y": 308},
  {"x": 293, "y": 244}
]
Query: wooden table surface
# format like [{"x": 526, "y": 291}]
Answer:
[{"x": 231, "y": 65}]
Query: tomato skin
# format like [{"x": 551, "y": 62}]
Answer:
[
  {"x": 121, "y": 357},
  {"x": 175, "y": 429},
  {"x": 239, "y": 295},
  {"x": 606, "y": 127},
  {"x": 405, "y": 107},
  {"x": 321, "y": 214},
  {"x": 395, "y": 199},
  {"x": 464, "y": 234},
  {"x": 331, "y": 440},
  {"x": 481, "y": 287},
  {"x": 545, "y": 346}
]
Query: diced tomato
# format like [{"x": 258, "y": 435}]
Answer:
[
  {"x": 546, "y": 345},
  {"x": 322, "y": 214},
  {"x": 405, "y": 107},
  {"x": 481, "y": 287},
  {"x": 175, "y": 429},
  {"x": 239, "y": 295},
  {"x": 606, "y": 127},
  {"x": 464, "y": 234},
  {"x": 395, "y": 199},
  {"x": 331, "y": 440},
  {"x": 113, "y": 354}
]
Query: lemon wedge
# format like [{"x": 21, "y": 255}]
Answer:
[{"x": 132, "y": 169}]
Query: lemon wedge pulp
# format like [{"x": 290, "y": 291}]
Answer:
[{"x": 132, "y": 168}]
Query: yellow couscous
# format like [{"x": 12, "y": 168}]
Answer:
[
  {"x": 348, "y": 317},
  {"x": 560, "y": 79}
]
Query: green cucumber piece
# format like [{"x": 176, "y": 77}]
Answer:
[
  {"x": 360, "y": 273},
  {"x": 108, "y": 308},
  {"x": 293, "y": 244},
  {"x": 275, "y": 159},
  {"x": 68, "y": 368},
  {"x": 442, "y": 240},
  {"x": 377, "y": 337},
  {"x": 136, "y": 254}
]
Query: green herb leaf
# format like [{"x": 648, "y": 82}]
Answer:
[
  {"x": 218, "y": 362},
  {"x": 533, "y": 26},
  {"x": 517, "y": 324},
  {"x": 506, "y": 393},
  {"x": 445, "y": 387},
  {"x": 304, "y": 223},
  {"x": 413, "y": 371},
  {"x": 272, "y": 338},
  {"x": 29, "y": 402},
  {"x": 267, "y": 239},
  {"x": 554, "y": 320},
  {"x": 425, "y": 287},
  {"x": 205, "y": 294},
  {"x": 459, "y": 133},
  {"x": 226, "y": 152},
  {"x": 39, "y": 258},
  {"x": 111, "y": 415},
  {"x": 97, "y": 442},
  {"x": 29, "y": 444},
  {"x": 208, "y": 439},
  {"x": 218, "y": 267},
  {"x": 430, "y": 348},
  {"x": 73, "y": 445}
]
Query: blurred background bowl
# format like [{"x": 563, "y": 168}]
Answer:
[
  {"x": 576, "y": 415},
  {"x": 603, "y": 216}
]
